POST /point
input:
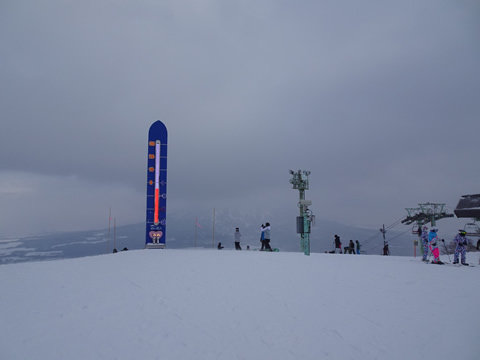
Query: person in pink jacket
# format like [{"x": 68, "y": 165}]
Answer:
[{"x": 432, "y": 243}]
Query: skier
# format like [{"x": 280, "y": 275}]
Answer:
[
  {"x": 237, "y": 236},
  {"x": 266, "y": 232},
  {"x": 432, "y": 243},
  {"x": 338, "y": 244},
  {"x": 424, "y": 237},
  {"x": 462, "y": 242},
  {"x": 358, "y": 247}
]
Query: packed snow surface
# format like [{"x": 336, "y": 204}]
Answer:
[{"x": 210, "y": 304}]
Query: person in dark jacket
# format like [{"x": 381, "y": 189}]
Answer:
[
  {"x": 386, "y": 251},
  {"x": 219, "y": 247},
  {"x": 338, "y": 244},
  {"x": 350, "y": 248},
  {"x": 358, "y": 247}
]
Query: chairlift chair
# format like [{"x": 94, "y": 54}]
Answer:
[{"x": 472, "y": 229}]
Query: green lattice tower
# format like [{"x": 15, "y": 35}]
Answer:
[{"x": 300, "y": 183}]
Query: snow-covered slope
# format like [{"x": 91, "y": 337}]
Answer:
[{"x": 210, "y": 304}]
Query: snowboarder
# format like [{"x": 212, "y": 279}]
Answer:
[
  {"x": 266, "y": 232},
  {"x": 358, "y": 247},
  {"x": 237, "y": 236},
  {"x": 432, "y": 244},
  {"x": 424, "y": 237},
  {"x": 461, "y": 241},
  {"x": 338, "y": 244}
]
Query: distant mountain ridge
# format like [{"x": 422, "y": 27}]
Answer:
[{"x": 181, "y": 234}]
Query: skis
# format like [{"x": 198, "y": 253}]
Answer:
[{"x": 450, "y": 264}]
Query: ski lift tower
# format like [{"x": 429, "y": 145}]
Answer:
[
  {"x": 434, "y": 211},
  {"x": 426, "y": 213},
  {"x": 304, "y": 221},
  {"x": 415, "y": 215}
]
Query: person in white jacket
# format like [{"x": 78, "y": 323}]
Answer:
[
  {"x": 266, "y": 235},
  {"x": 237, "y": 236}
]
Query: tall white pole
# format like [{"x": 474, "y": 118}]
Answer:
[
  {"x": 114, "y": 234},
  {"x": 109, "y": 219},
  {"x": 213, "y": 236}
]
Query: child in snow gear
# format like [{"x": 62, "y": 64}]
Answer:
[
  {"x": 219, "y": 247},
  {"x": 237, "y": 239},
  {"x": 432, "y": 243},
  {"x": 424, "y": 237},
  {"x": 462, "y": 242}
]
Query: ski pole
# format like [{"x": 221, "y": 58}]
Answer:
[
  {"x": 431, "y": 252},
  {"x": 446, "y": 250}
]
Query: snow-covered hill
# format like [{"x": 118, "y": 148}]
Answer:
[{"x": 210, "y": 304}]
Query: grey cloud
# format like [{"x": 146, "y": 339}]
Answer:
[{"x": 372, "y": 98}]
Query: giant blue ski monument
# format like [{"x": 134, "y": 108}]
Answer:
[{"x": 156, "y": 186}]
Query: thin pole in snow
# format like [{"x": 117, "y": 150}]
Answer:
[
  {"x": 213, "y": 236},
  {"x": 109, "y": 219}
]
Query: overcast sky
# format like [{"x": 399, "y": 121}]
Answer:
[{"x": 380, "y": 100}]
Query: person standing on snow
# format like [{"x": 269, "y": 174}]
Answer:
[
  {"x": 266, "y": 232},
  {"x": 386, "y": 250},
  {"x": 237, "y": 236},
  {"x": 424, "y": 237},
  {"x": 462, "y": 242},
  {"x": 338, "y": 244},
  {"x": 351, "y": 247},
  {"x": 432, "y": 243},
  {"x": 262, "y": 238},
  {"x": 358, "y": 247}
]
